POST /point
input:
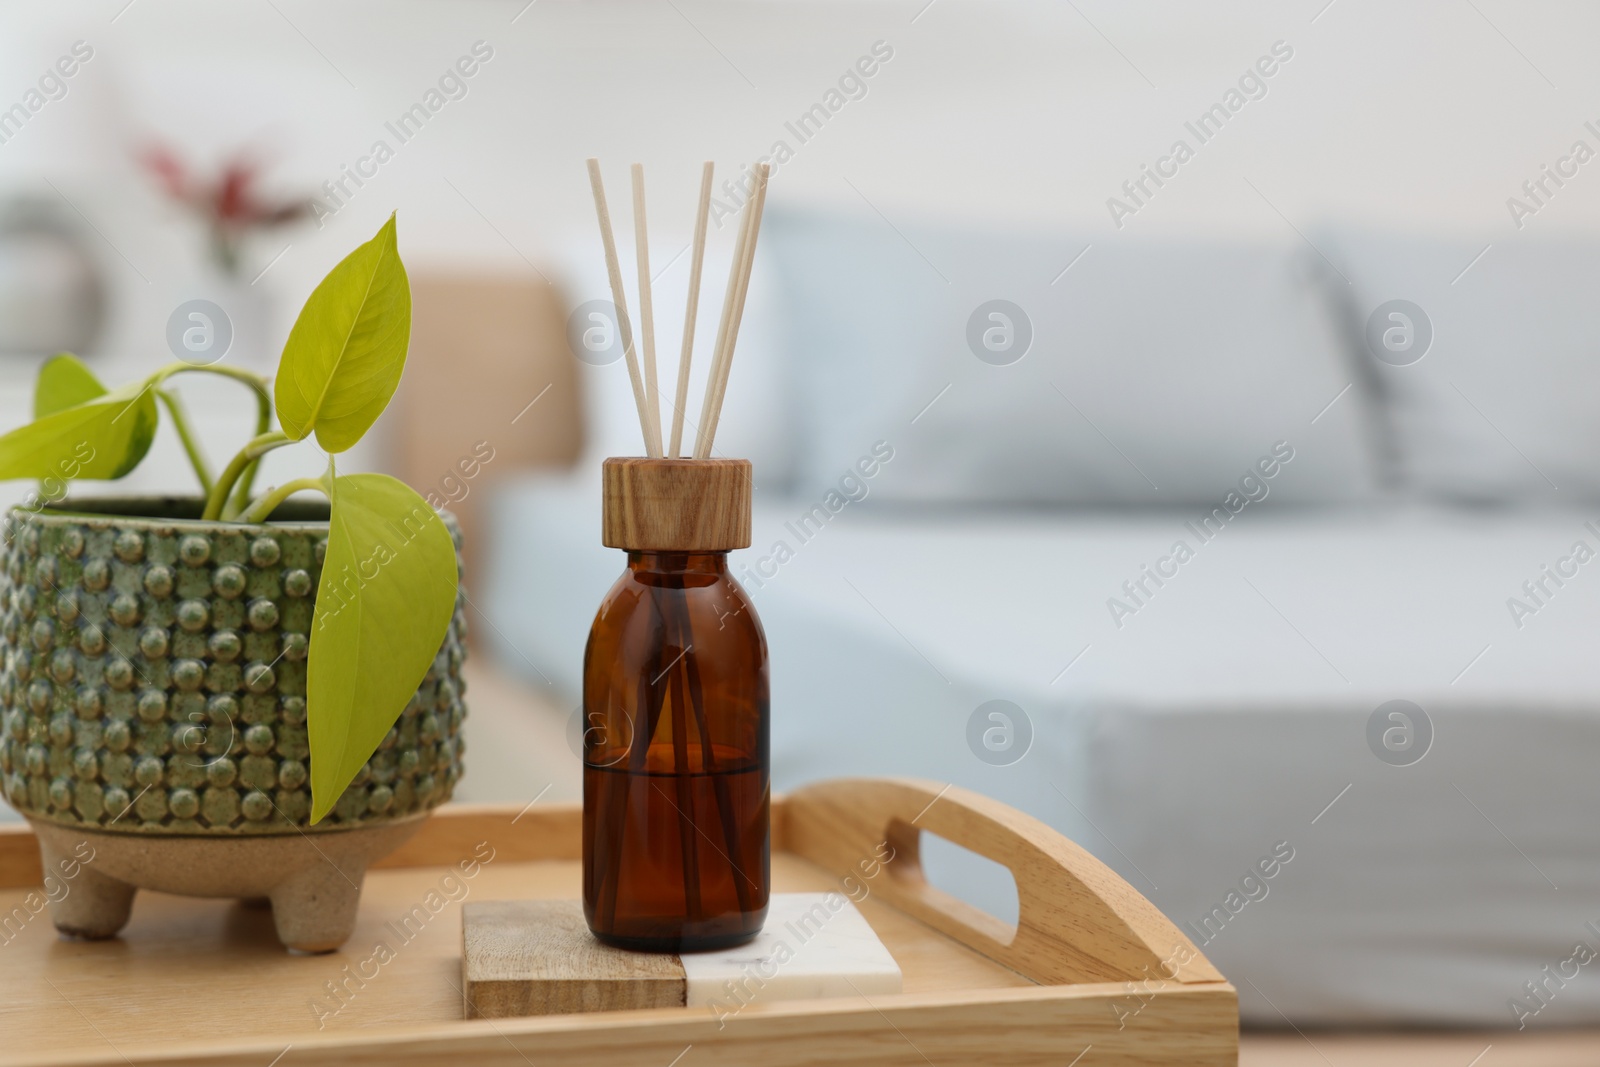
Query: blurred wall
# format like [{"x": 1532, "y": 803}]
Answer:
[{"x": 1426, "y": 115}]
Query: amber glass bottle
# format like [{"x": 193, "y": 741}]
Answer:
[{"x": 676, "y": 775}]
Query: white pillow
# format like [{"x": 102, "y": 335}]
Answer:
[
  {"x": 1503, "y": 405},
  {"x": 1158, "y": 372}
]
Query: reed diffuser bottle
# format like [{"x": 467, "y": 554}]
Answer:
[{"x": 676, "y": 770}]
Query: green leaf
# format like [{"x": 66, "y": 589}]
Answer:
[
  {"x": 344, "y": 356},
  {"x": 64, "y": 382},
  {"x": 384, "y": 604},
  {"x": 102, "y": 438}
]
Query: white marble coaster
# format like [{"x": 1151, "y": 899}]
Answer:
[{"x": 813, "y": 945}]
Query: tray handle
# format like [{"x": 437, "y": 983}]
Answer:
[{"x": 1077, "y": 920}]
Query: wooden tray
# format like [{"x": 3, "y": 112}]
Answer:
[{"x": 205, "y": 982}]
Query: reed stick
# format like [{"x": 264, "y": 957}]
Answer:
[
  {"x": 614, "y": 273},
  {"x": 697, "y": 260},
  {"x": 722, "y": 334},
  {"x": 647, "y": 326},
  {"x": 744, "y": 259},
  {"x": 648, "y": 698},
  {"x": 708, "y": 759},
  {"x": 677, "y": 689}
]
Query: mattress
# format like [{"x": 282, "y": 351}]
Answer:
[{"x": 1197, "y": 733}]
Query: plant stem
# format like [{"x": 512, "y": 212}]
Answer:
[
  {"x": 246, "y": 472},
  {"x": 241, "y": 496},
  {"x": 191, "y": 446},
  {"x": 242, "y": 491},
  {"x": 256, "y": 382},
  {"x": 261, "y": 509},
  {"x": 257, "y": 447}
]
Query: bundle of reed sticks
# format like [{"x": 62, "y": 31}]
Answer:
[{"x": 645, "y": 393}]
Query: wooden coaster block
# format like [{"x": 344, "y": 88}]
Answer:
[{"x": 537, "y": 957}]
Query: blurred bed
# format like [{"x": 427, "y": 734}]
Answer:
[{"x": 1182, "y": 749}]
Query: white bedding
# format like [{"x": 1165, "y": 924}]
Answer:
[{"x": 1221, "y": 719}]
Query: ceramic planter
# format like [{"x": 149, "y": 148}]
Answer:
[{"x": 152, "y": 710}]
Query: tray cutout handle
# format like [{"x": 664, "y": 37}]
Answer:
[
  {"x": 909, "y": 870},
  {"x": 1077, "y": 920}
]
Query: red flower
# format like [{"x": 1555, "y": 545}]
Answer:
[{"x": 229, "y": 206}]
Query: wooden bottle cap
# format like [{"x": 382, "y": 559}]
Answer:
[{"x": 675, "y": 505}]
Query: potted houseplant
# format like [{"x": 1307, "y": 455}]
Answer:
[{"x": 230, "y": 694}]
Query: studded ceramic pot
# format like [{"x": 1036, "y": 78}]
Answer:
[
  {"x": 153, "y": 686},
  {"x": 154, "y": 679}
]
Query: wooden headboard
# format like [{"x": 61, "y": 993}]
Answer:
[{"x": 490, "y": 389}]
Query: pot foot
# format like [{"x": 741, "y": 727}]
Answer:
[
  {"x": 95, "y": 906},
  {"x": 315, "y": 910}
]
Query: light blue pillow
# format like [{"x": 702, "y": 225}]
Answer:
[
  {"x": 1495, "y": 398},
  {"x": 1157, "y": 372}
]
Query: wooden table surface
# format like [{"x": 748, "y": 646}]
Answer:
[{"x": 1504, "y": 1048}]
